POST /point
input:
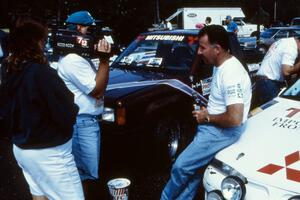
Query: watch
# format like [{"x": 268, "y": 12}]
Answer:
[{"x": 206, "y": 119}]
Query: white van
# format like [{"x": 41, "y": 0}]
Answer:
[{"x": 187, "y": 18}]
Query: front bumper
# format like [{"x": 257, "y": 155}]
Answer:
[{"x": 254, "y": 190}]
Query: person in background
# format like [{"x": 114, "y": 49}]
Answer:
[
  {"x": 221, "y": 123},
  {"x": 207, "y": 21},
  {"x": 88, "y": 84},
  {"x": 42, "y": 115},
  {"x": 231, "y": 25},
  {"x": 279, "y": 62},
  {"x": 199, "y": 25},
  {"x": 3, "y": 45},
  {"x": 169, "y": 25}
]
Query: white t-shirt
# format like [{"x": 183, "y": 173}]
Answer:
[
  {"x": 169, "y": 26},
  {"x": 1, "y": 52},
  {"x": 230, "y": 85},
  {"x": 79, "y": 77},
  {"x": 281, "y": 52}
]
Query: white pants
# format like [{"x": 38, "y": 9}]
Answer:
[{"x": 51, "y": 172}]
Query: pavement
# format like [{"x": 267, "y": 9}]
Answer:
[
  {"x": 14, "y": 187},
  {"x": 146, "y": 184}
]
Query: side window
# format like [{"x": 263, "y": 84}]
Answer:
[
  {"x": 181, "y": 57},
  {"x": 297, "y": 32},
  {"x": 238, "y": 22},
  {"x": 182, "y": 54},
  {"x": 292, "y": 33},
  {"x": 281, "y": 34}
]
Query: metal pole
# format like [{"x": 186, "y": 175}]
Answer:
[
  {"x": 59, "y": 12},
  {"x": 275, "y": 10},
  {"x": 259, "y": 20},
  {"x": 157, "y": 11}
]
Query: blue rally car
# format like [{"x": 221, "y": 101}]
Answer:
[{"x": 148, "y": 101}]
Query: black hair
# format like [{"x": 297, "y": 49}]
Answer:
[
  {"x": 216, "y": 35},
  {"x": 208, "y": 19}
]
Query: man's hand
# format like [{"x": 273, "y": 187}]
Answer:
[
  {"x": 201, "y": 115},
  {"x": 104, "y": 49}
]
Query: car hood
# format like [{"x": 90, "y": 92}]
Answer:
[
  {"x": 117, "y": 75},
  {"x": 268, "y": 151},
  {"x": 125, "y": 81}
]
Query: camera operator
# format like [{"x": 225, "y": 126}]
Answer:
[{"x": 88, "y": 85}]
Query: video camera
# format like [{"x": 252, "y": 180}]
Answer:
[{"x": 65, "y": 41}]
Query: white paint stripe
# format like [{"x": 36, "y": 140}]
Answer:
[{"x": 174, "y": 83}]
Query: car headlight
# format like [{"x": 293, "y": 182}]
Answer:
[
  {"x": 108, "y": 114},
  {"x": 215, "y": 195},
  {"x": 227, "y": 170},
  {"x": 295, "y": 197},
  {"x": 233, "y": 188}
]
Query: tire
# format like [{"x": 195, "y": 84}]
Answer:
[
  {"x": 171, "y": 136},
  {"x": 262, "y": 49},
  {"x": 254, "y": 34}
]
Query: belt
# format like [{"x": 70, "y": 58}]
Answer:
[
  {"x": 262, "y": 77},
  {"x": 96, "y": 117}
]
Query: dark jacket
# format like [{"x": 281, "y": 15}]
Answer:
[{"x": 43, "y": 109}]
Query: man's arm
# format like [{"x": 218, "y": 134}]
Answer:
[
  {"x": 289, "y": 70},
  {"x": 103, "y": 70},
  {"x": 231, "y": 118}
]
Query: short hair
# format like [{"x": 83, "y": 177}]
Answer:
[
  {"x": 216, "y": 35},
  {"x": 208, "y": 19}
]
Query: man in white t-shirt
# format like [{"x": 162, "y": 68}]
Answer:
[
  {"x": 88, "y": 85},
  {"x": 221, "y": 123},
  {"x": 278, "y": 63}
]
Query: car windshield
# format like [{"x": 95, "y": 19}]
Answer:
[
  {"x": 268, "y": 33},
  {"x": 296, "y": 22},
  {"x": 293, "y": 92},
  {"x": 159, "y": 51}
]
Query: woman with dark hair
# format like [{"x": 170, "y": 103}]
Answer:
[{"x": 42, "y": 115}]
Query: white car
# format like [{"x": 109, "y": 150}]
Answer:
[{"x": 265, "y": 163}]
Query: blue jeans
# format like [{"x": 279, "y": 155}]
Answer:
[
  {"x": 86, "y": 146},
  {"x": 185, "y": 178},
  {"x": 266, "y": 90}
]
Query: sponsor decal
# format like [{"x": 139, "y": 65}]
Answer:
[
  {"x": 289, "y": 121},
  {"x": 165, "y": 37},
  {"x": 206, "y": 85},
  {"x": 192, "y": 39},
  {"x": 291, "y": 173}
]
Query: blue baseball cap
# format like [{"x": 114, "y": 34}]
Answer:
[
  {"x": 82, "y": 18},
  {"x": 228, "y": 17}
]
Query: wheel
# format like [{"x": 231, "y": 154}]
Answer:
[
  {"x": 262, "y": 49},
  {"x": 169, "y": 133},
  {"x": 254, "y": 34},
  {"x": 171, "y": 136}
]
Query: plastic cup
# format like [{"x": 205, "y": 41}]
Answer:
[{"x": 118, "y": 188}]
